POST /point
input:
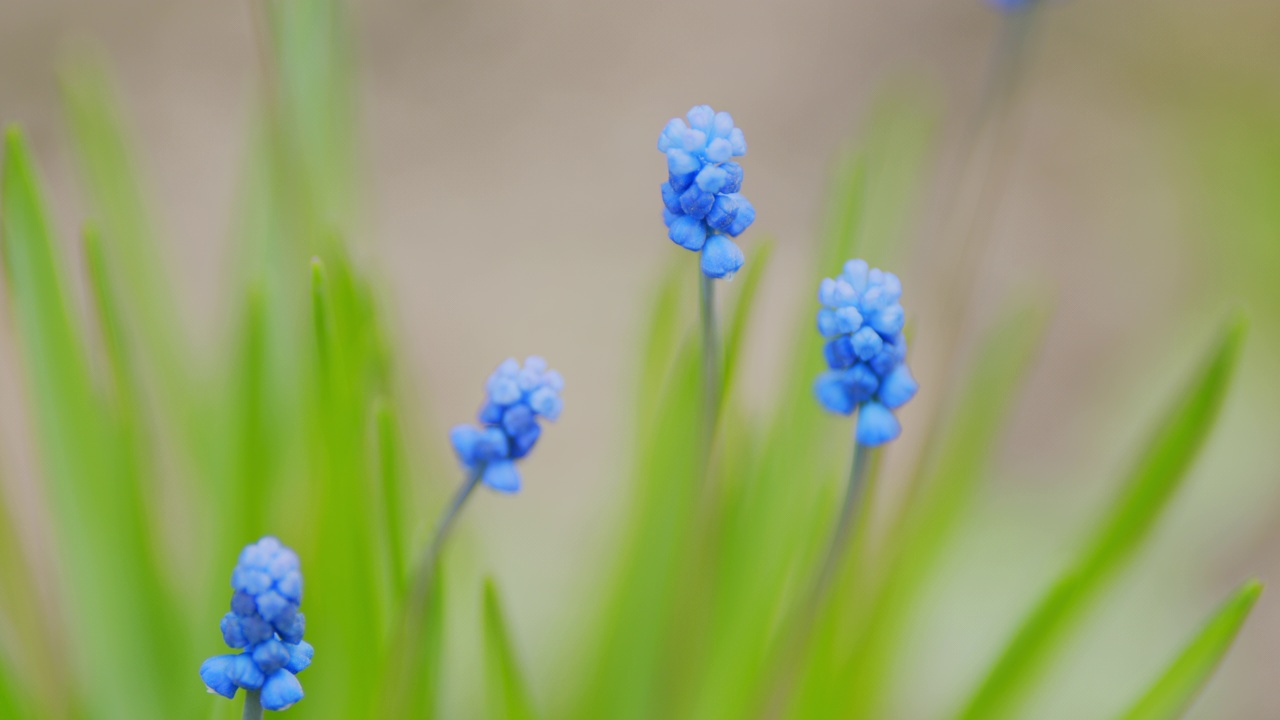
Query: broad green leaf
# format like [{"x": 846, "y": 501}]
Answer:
[
  {"x": 507, "y": 694},
  {"x": 1144, "y": 495},
  {"x": 1172, "y": 694}
]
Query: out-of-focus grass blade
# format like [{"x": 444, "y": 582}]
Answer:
[
  {"x": 508, "y": 695},
  {"x": 125, "y": 658},
  {"x": 664, "y": 326},
  {"x": 390, "y": 473},
  {"x": 756, "y": 267},
  {"x": 1158, "y": 474},
  {"x": 941, "y": 496},
  {"x": 1172, "y": 694},
  {"x": 410, "y": 683}
]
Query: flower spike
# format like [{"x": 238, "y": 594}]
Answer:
[
  {"x": 266, "y": 626},
  {"x": 703, "y": 205},
  {"x": 862, "y": 320}
]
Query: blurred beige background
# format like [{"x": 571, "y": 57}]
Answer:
[{"x": 512, "y": 206}]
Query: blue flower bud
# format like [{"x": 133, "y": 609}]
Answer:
[
  {"x": 862, "y": 322},
  {"x": 876, "y": 424},
  {"x": 245, "y": 673},
  {"x": 214, "y": 673},
  {"x": 291, "y": 625},
  {"x": 270, "y": 656},
  {"x": 280, "y": 691},
  {"x": 721, "y": 258},
  {"x": 232, "y": 633},
  {"x": 255, "y": 629},
  {"x": 502, "y": 476},
  {"x": 701, "y": 197},
  {"x": 300, "y": 655}
]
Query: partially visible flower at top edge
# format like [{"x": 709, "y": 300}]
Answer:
[
  {"x": 703, "y": 206},
  {"x": 266, "y": 626},
  {"x": 862, "y": 320},
  {"x": 1012, "y": 5},
  {"x": 516, "y": 397}
]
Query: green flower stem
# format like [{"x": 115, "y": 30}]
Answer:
[
  {"x": 422, "y": 582},
  {"x": 849, "y": 511},
  {"x": 252, "y": 705},
  {"x": 710, "y": 363}
]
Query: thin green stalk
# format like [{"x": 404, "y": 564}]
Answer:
[
  {"x": 422, "y": 580},
  {"x": 849, "y": 511},
  {"x": 252, "y": 705},
  {"x": 710, "y": 363}
]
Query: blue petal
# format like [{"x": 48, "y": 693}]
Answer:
[
  {"x": 831, "y": 392},
  {"x": 721, "y": 258},
  {"x": 243, "y": 604},
  {"x": 876, "y": 424},
  {"x": 524, "y": 442},
  {"x": 734, "y": 172},
  {"x": 898, "y": 387},
  {"x": 546, "y": 403},
  {"x": 503, "y": 389},
  {"x": 689, "y": 233},
  {"x": 501, "y": 475},
  {"x": 465, "y": 438},
  {"x": 290, "y": 586},
  {"x": 270, "y": 656},
  {"x": 281, "y": 691},
  {"x": 300, "y": 655},
  {"x": 492, "y": 445},
  {"x": 291, "y": 626},
  {"x": 682, "y": 181},
  {"x": 746, "y": 215},
  {"x": 214, "y": 674},
  {"x": 255, "y": 629},
  {"x": 738, "y": 142},
  {"x": 855, "y": 273},
  {"x": 696, "y": 202},
  {"x": 680, "y": 162},
  {"x": 828, "y": 323},
  {"x": 244, "y": 672},
  {"x": 839, "y": 353},
  {"x": 701, "y": 117},
  {"x": 232, "y": 633},
  {"x": 722, "y": 213},
  {"x": 719, "y": 150},
  {"x": 711, "y": 179},
  {"x": 861, "y": 382},
  {"x": 271, "y": 604},
  {"x": 866, "y": 343},
  {"x": 670, "y": 198},
  {"x": 889, "y": 320},
  {"x": 517, "y": 419}
]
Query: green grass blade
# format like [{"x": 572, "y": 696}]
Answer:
[
  {"x": 1176, "y": 689},
  {"x": 1146, "y": 493},
  {"x": 508, "y": 695},
  {"x": 736, "y": 333},
  {"x": 391, "y": 487}
]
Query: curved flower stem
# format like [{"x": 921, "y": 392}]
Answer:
[
  {"x": 710, "y": 364},
  {"x": 422, "y": 580},
  {"x": 849, "y": 511},
  {"x": 252, "y": 705}
]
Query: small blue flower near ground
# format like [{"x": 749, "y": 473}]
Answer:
[
  {"x": 266, "y": 626},
  {"x": 516, "y": 397},
  {"x": 703, "y": 206},
  {"x": 866, "y": 351}
]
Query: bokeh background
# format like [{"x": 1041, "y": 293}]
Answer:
[{"x": 511, "y": 206}]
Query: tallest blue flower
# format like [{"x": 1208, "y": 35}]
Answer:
[{"x": 703, "y": 206}]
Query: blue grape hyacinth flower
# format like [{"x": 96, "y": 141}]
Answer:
[
  {"x": 266, "y": 626},
  {"x": 862, "y": 320},
  {"x": 703, "y": 206},
  {"x": 516, "y": 398}
]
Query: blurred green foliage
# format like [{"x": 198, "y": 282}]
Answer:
[{"x": 159, "y": 465}]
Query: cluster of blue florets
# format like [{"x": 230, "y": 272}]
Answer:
[
  {"x": 866, "y": 351},
  {"x": 516, "y": 397},
  {"x": 703, "y": 206},
  {"x": 265, "y": 624}
]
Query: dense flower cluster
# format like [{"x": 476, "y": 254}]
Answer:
[
  {"x": 862, "y": 321},
  {"x": 265, "y": 624},
  {"x": 703, "y": 206},
  {"x": 516, "y": 397}
]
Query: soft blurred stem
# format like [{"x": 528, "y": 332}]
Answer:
[
  {"x": 849, "y": 511},
  {"x": 252, "y": 705},
  {"x": 710, "y": 364},
  {"x": 426, "y": 570}
]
